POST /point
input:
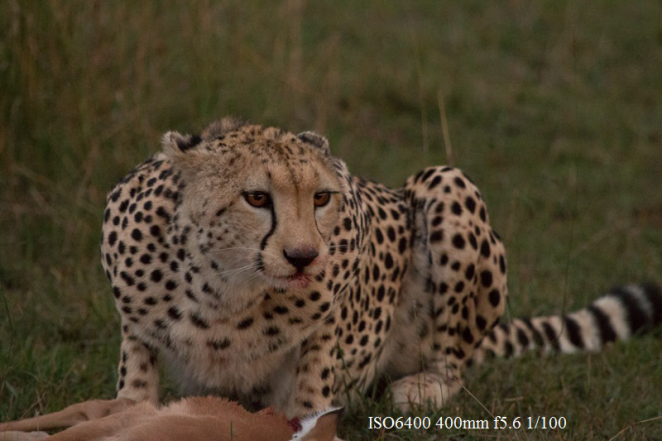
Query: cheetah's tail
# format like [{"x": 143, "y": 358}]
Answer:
[{"x": 619, "y": 314}]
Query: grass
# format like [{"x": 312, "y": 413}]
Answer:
[{"x": 553, "y": 107}]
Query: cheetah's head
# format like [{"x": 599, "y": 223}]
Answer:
[{"x": 262, "y": 203}]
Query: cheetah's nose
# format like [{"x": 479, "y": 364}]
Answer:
[{"x": 301, "y": 257}]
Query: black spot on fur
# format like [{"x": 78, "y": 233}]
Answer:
[
  {"x": 605, "y": 327},
  {"x": 486, "y": 278},
  {"x": 470, "y": 203},
  {"x": 246, "y": 323},
  {"x": 637, "y": 317},
  {"x": 458, "y": 241},
  {"x": 219, "y": 344},
  {"x": 574, "y": 332},
  {"x": 495, "y": 297},
  {"x": 188, "y": 142},
  {"x": 551, "y": 335}
]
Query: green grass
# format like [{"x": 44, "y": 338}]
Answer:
[{"x": 553, "y": 107}]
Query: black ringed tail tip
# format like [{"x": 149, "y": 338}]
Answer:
[{"x": 619, "y": 314}]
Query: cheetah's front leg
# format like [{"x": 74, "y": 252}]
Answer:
[
  {"x": 138, "y": 375},
  {"x": 315, "y": 373}
]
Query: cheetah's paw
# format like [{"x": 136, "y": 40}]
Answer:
[{"x": 424, "y": 388}]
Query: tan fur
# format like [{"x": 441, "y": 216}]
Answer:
[{"x": 192, "y": 419}]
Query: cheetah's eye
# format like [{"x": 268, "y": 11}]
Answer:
[
  {"x": 258, "y": 199},
  {"x": 322, "y": 198}
]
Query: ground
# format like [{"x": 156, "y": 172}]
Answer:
[{"x": 554, "y": 109}]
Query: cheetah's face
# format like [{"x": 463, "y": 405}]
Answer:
[
  {"x": 290, "y": 216},
  {"x": 264, "y": 205}
]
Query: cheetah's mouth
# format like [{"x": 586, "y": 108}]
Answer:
[
  {"x": 294, "y": 281},
  {"x": 298, "y": 280}
]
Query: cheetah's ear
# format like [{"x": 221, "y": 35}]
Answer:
[
  {"x": 317, "y": 140},
  {"x": 175, "y": 143},
  {"x": 185, "y": 158}
]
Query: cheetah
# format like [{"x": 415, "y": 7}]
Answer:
[{"x": 253, "y": 264}]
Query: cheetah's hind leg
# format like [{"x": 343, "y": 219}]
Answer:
[{"x": 454, "y": 293}]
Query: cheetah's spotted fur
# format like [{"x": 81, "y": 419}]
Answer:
[{"x": 260, "y": 269}]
